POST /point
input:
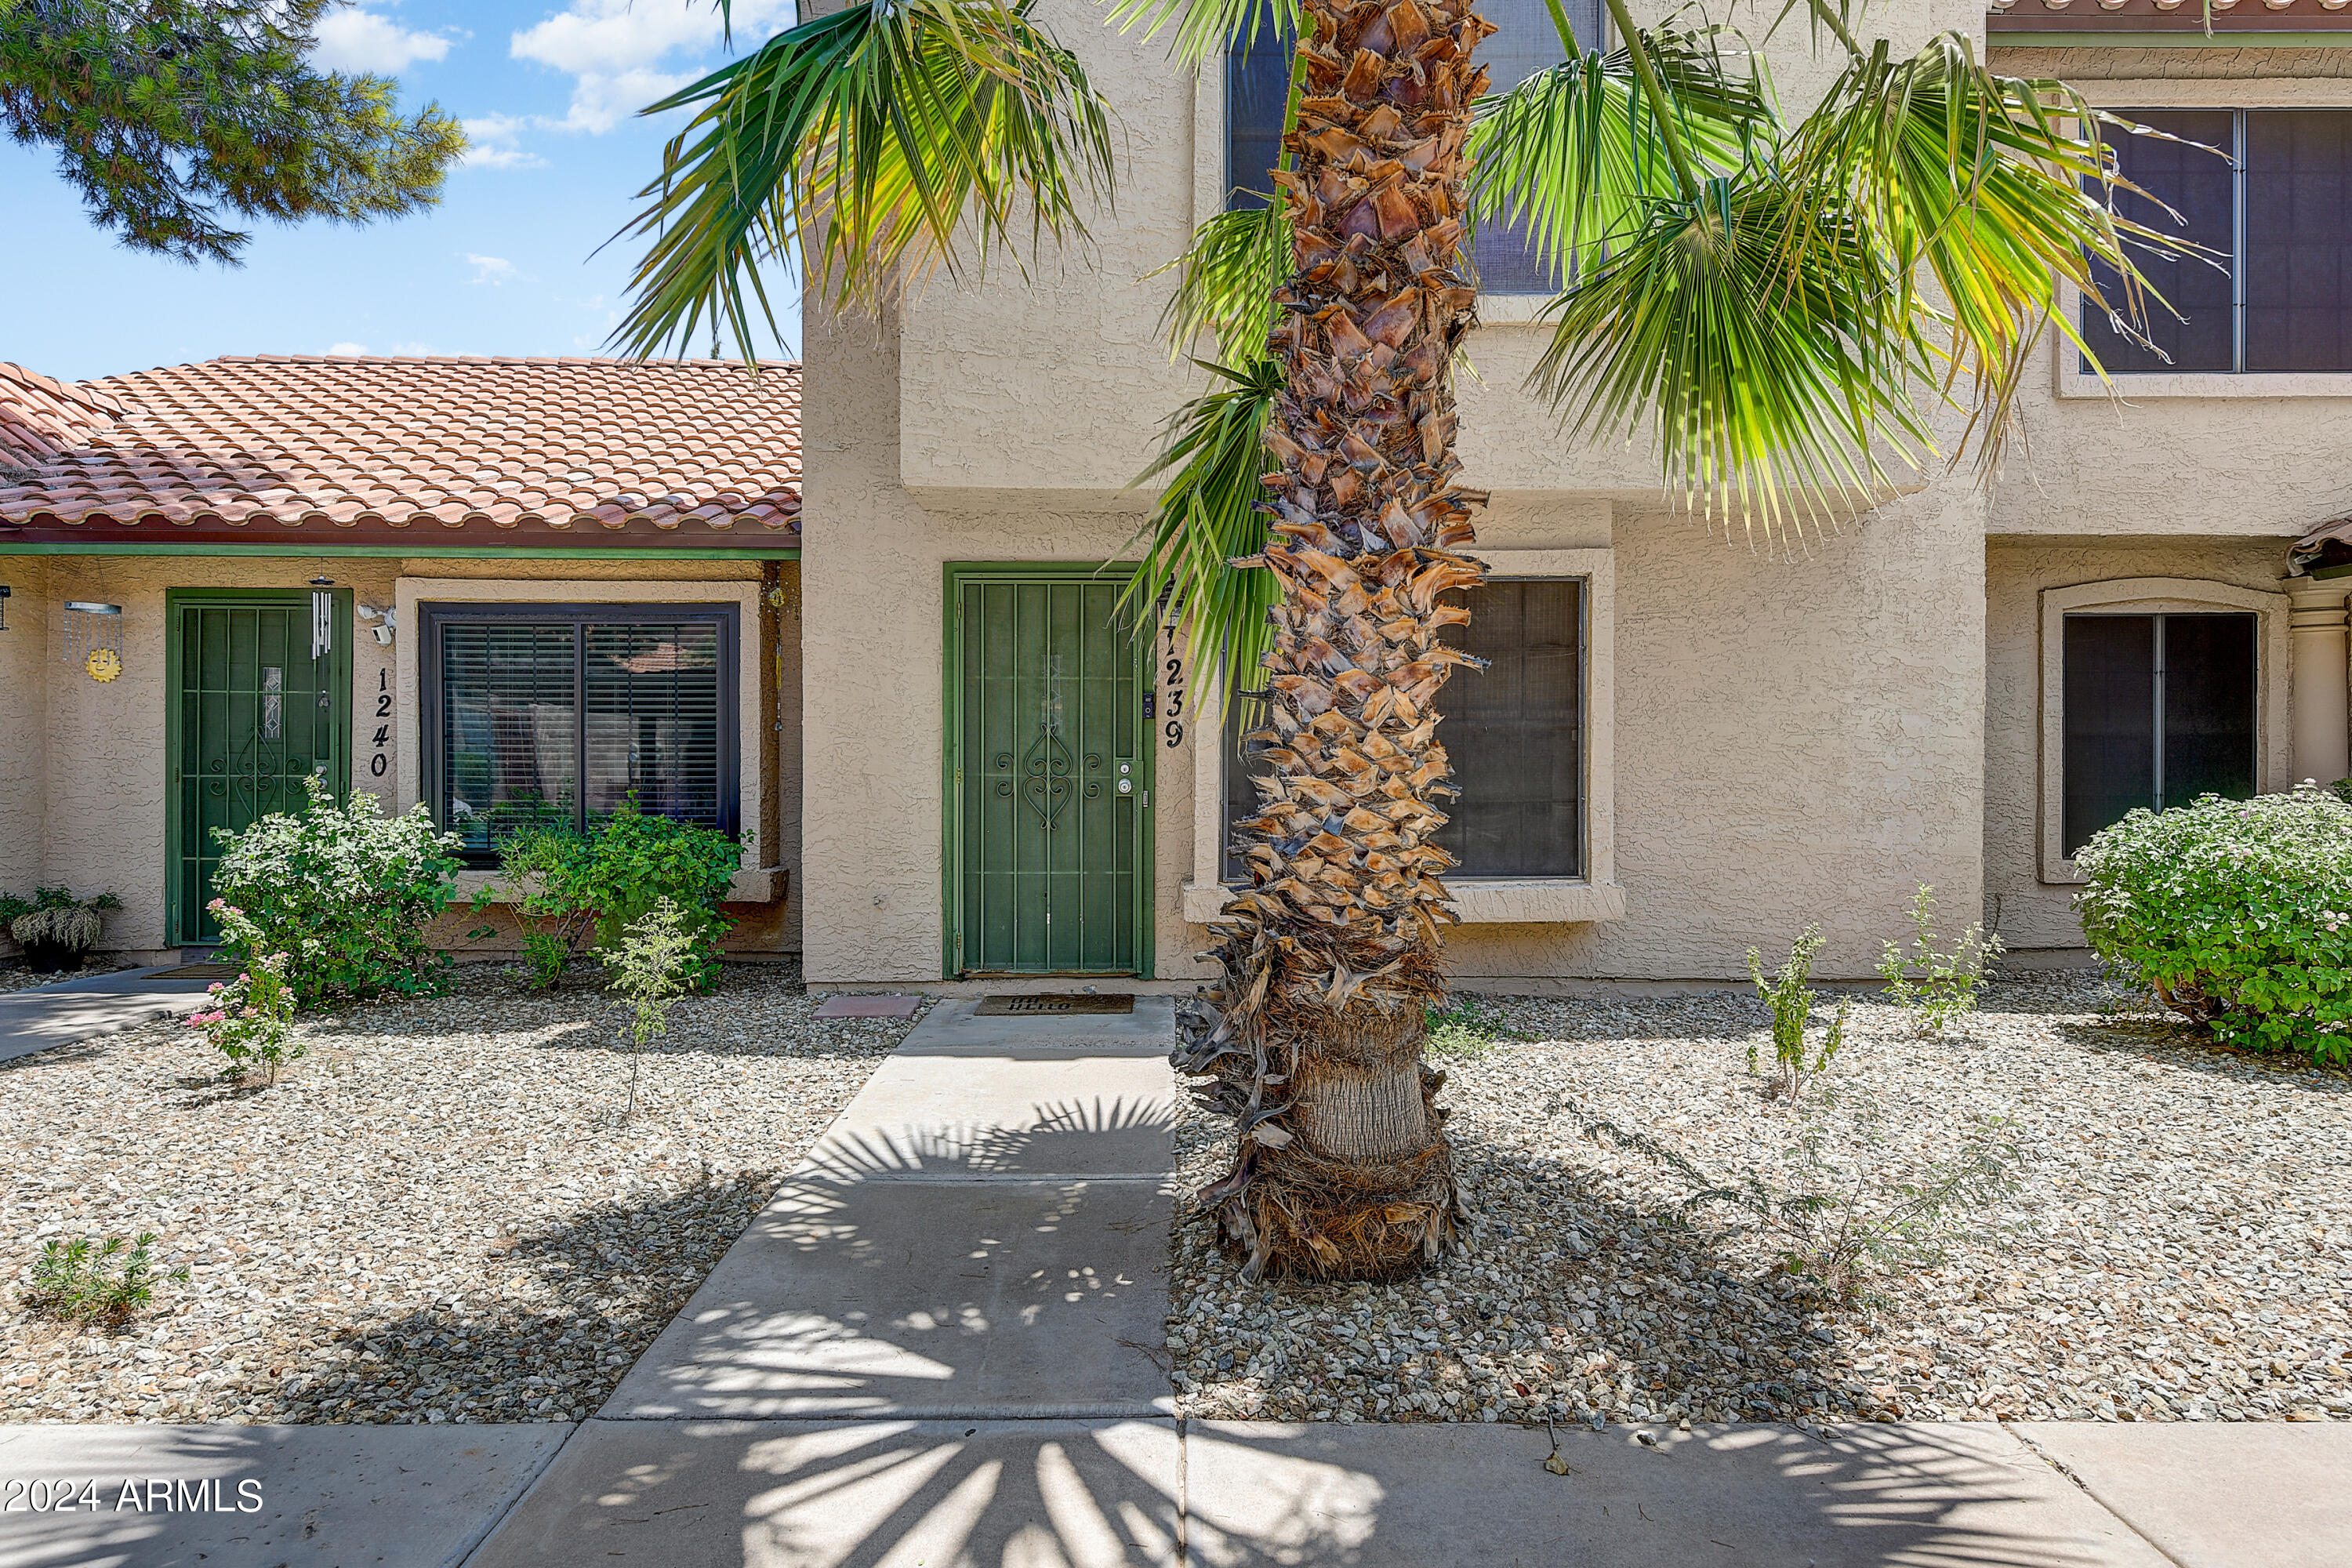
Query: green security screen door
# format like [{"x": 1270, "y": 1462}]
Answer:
[
  {"x": 1052, "y": 782},
  {"x": 253, "y": 715}
]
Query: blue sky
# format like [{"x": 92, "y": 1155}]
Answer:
[{"x": 503, "y": 265}]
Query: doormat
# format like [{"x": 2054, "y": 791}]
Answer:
[
  {"x": 869, "y": 1006},
  {"x": 199, "y": 971},
  {"x": 1050, "y": 1005}
]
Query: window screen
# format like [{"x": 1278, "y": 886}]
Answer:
[
  {"x": 1513, "y": 731},
  {"x": 539, "y": 714},
  {"x": 2159, "y": 710},
  {"x": 2202, "y": 189},
  {"x": 2275, "y": 210},
  {"x": 1257, "y": 86}
]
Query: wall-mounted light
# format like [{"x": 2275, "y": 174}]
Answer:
[
  {"x": 388, "y": 615},
  {"x": 5, "y": 591}
]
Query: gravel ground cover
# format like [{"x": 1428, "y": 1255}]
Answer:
[
  {"x": 439, "y": 1215},
  {"x": 2178, "y": 1246},
  {"x": 16, "y": 977}
]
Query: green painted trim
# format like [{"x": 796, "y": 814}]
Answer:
[
  {"x": 2024, "y": 38},
  {"x": 954, "y": 575},
  {"x": 339, "y": 681},
  {"x": 456, "y": 552},
  {"x": 2329, "y": 573}
]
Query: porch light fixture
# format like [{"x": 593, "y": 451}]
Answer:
[
  {"x": 92, "y": 638},
  {"x": 5, "y": 591}
]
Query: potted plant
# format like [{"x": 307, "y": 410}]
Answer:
[{"x": 56, "y": 929}]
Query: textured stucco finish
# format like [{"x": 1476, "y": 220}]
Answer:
[
  {"x": 84, "y": 769},
  {"x": 2034, "y": 914},
  {"x": 25, "y": 657}
]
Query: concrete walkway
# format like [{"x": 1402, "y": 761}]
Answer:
[
  {"x": 936, "y": 1349},
  {"x": 76, "y": 1009}
]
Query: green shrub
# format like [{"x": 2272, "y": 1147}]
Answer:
[
  {"x": 250, "y": 1020},
  {"x": 2237, "y": 913},
  {"x": 594, "y": 886},
  {"x": 1936, "y": 988},
  {"x": 1792, "y": 999},
  {"x": 102, "y": 1280},
  {"x": 344, "y": 892}
]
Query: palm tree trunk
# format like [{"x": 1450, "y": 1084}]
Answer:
[{"x": 1312, "y": 1037}]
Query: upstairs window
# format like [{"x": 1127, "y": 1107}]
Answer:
[
  {"x": 2160, "y": 710},
  {"x": 2277, "y": 208},
  {"x": 1257, "y": 86},
  {"x": 1514, "y": 733},
  {"x": 554, "y": 714}
]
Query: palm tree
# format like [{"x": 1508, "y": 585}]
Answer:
[{"x": 1749, "y": 290}]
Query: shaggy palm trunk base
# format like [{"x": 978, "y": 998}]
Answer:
[{"x": 1312, "y": 1037}]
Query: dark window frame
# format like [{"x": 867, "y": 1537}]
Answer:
[
  {"x": 1520, "y": 273},
  {"x": 2161, "y": 796},
  {"x": 432, "y": 618},
  {"x": 2123, "y": 359},
  {"x": 1235, "y": 766}
]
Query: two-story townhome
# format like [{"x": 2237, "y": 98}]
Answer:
[
  {"x": 1681, "y": 747},
  {"x": 501, "y": 587}
]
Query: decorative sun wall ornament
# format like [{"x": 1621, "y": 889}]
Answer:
[{"x": 93, "y": 637}]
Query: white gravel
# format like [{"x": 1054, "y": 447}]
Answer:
[
  {"x": 14, "y": 976},
  {"x": 2179, "y": 1246},
  {"x": 439, "y": 1215}
]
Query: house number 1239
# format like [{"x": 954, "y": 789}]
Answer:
[{"x": 1173, "y": 668}]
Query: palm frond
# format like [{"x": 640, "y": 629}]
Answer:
[
  {"x": 1999, "y": 188},
  {"x": 1206, "y": 29},
  {"x": 856, "y": 148},
  {"x": 1575, "y": 154},
  {"x": 1225, "y": 281},
  {"x": 1771, "y": 380},
  {"x": 1210, "y": 516}
]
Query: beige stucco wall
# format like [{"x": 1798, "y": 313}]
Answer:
[
  {"x": 2035, "y": 914},
  {"x": 24, "y": 659},
  {"x": 83, "y": 776}
]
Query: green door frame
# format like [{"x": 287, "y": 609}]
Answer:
[
  {"x": 951, "y": 859},
  {"x": 338, "y": 683}
]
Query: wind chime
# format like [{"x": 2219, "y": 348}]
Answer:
[{"x": 93, "y": 637}]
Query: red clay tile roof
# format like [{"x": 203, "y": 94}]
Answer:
[{"x": 350, "y": 449}]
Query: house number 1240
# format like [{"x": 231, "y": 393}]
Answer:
[{"x": 381, "y": 761}]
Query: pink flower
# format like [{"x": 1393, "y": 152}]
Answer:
[{"x": 215, "y": 988}]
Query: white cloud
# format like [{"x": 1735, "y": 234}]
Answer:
[
  {"x": 613, "y": 50},
  {"x": 491, "y": 144},
  {"x": 356, "y": 40},
  {"x": 347, "y": 349},
  {"x": 416, "y": 350},
  {"x": 491, "y": 269}
]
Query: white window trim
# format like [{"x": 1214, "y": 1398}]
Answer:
[
  {"x": 753, "y": 884},
  {"x": 2274, "y": 718},
  {"x": 1479, "y": 900}
]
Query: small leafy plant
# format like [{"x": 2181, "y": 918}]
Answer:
[
  {"x": 1840, "y": 1207},
  {"x": 1792, "y": 999},
  {"x": 592, "y": 887},
  {"x": 1937, "y": 989},
  {"x": 2236, "y": 913},
  {"x": 652, "y": 966},
  {"x": 250, "y": 1020},
  {"x": 1468, "y": 1029},
  {"x": 102, "y": 1280},
  {"x": 344, "y": 892}
]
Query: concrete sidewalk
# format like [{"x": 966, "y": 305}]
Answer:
[{"x": 76, "y": 1009}]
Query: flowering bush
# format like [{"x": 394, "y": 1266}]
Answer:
[
  {"x": 343, "y": 891},
  {"x": 2238, "y": 914},
  {"x": 250, "y": 1020}
]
